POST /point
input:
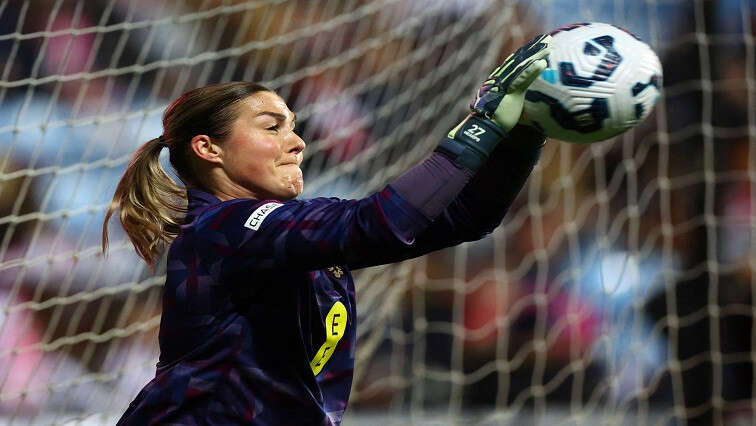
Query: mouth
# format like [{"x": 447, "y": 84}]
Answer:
[{"x": 289, "y": 163}]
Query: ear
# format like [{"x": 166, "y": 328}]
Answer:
[{"x": 205, "y": 149}]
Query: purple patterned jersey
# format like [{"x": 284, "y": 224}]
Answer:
[{"x": 258, "y": 323}]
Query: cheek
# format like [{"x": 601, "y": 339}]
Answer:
[
  {"x": 267, "y": 152},
  {"x": 254, "y": 158}
]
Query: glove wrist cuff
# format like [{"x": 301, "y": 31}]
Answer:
[{"x": 469, "y": 144}]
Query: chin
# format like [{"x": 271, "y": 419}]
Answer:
[
  {"x": 291, "y": 187},
  {"x": 290, "y": 194},
  {"x": 298, "y": 192},
  {"x": 296, "y": 188}
]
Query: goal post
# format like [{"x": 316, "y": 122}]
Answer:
[{"x": 619, "y": 289}]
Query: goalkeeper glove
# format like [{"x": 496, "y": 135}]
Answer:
[
  {"x": 497, "y": 106},
  {"x": 502, "y": 96}
]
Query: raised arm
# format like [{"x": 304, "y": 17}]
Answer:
[
  {"x": 481, "y": 206},
  {"x": 316, "y": 233}
]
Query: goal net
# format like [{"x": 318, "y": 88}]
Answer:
[{"x": 618, "y": 290}]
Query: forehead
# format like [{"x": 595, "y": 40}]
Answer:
[{"x": 265, "y": 102}]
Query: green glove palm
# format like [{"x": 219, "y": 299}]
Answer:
[
  {"x": 497, "y": 106},
  {"x": 501, "y": 97}
]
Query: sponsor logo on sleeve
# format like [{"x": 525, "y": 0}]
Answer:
[
  {"x": 335, "y": 325},
  {"x": 256, "y": 218}
]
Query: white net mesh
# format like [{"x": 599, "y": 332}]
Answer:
[{"x": 618, "y": 290}]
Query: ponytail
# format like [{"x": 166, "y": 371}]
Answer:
[{"x": 152, "y": 205}]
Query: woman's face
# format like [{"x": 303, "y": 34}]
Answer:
[{"x": 263, "y": 153}]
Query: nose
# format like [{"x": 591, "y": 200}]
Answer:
[{"x": 296, "y": 144}]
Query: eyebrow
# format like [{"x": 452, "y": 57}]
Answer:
[{"x": 277, "y": 116}]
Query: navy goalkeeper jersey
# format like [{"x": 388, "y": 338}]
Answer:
[{"x": 258, "y": 323}]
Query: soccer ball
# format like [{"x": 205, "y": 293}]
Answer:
[{"x": 601, "y": 80}]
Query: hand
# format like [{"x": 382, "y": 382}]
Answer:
[
  {"x": 497, "y": 107},
  {"x": 502, "y": 96}
]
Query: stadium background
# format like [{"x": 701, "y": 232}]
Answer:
[{"x": 620, "y": 289}]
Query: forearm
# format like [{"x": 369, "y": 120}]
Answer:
[
  {"x": 478, "y": 207},
  {"x": 431, "y": 185},
  {"x": 488, "y": 195},
  {"x": 482, "y": 203},
  {"x": 472, "y": 201}
]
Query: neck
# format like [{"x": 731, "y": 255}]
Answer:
[{"x": 226, "y": 189}]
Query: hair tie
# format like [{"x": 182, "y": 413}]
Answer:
[{"x": 161, "y": 141}]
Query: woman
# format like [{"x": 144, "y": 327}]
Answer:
[{"x": 258, "y": 320}]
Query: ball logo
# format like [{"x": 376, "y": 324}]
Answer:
[
  {"x": 595, "y": 47},
  {"x": 256, "y": 218}
]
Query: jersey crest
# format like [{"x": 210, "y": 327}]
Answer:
[{"x": 336, "y": 271}]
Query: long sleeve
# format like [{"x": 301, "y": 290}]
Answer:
[
  {"x": 482, "y": 204},
  {"x": 257, "y": 235},
  {"x": 249, "y": 234}
]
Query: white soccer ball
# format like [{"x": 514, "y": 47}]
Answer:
[{"x": 601, "y": 81}]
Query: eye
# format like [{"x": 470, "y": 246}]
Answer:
[{"x": 274, "y": 127}]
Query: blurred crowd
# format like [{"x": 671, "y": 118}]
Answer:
[{"x": 617, "y": 260}]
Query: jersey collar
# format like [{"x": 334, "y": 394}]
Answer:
[{"x": 198, "y": 201}]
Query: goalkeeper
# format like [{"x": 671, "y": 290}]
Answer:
[{"x": 258, "y": 323}]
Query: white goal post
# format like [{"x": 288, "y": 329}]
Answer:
[{"x": 620, "y": 289}]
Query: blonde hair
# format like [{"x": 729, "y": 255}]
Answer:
[
  {"x": 150, "y": 201},
  {"x": 152, "y": 205}
]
